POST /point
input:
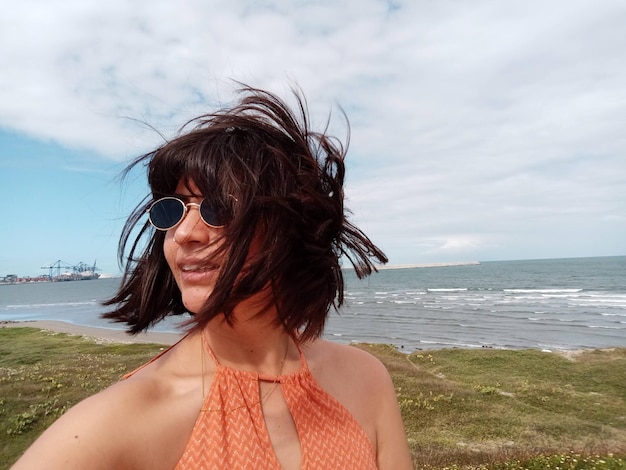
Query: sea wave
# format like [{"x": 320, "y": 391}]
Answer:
[
  {"x": 542, "y": 291},
  {"x": 49, "y": 305},
  {"x": 455, "y": 289}
]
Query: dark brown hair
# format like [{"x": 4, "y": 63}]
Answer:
[{"x": 268, "y": 173}]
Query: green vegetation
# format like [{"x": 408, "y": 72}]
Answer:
[
  {"x": 494, "y": 409},
  {"x": 463, "y": 409},
  {"x": 42, "y": 374}
]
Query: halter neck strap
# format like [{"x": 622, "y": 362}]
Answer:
[{"x": 264, "y": 377}]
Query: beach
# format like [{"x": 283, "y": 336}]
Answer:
[{"x": 102, "y": 335}]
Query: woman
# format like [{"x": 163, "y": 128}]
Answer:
[{"x": 246, "y": 226}]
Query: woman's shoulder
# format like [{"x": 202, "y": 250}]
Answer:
[
  {"x": 356, "y": 378},
  {"x": 105, "y": 429},
  {"x": 95, "y": 433},
  {"x": 343, "y": 360}
]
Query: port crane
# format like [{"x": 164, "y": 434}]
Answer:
[{"x": 60, "y": 270}]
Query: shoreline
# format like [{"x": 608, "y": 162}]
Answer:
[
  {"x": 104, "y": 335},
  {"x": 384, "y": 267},
  {"x": 109, "y": 335}
]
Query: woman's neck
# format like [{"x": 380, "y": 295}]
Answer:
[{"x": 253, "y": 344}]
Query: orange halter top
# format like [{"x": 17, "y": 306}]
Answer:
[{"x": 230, "y": 431}]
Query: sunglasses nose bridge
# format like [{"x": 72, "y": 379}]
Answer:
[
  {"x": 191, "y": 204},
  {"x": 188, "y": 206},
  {"x": 185, "y": 228}
]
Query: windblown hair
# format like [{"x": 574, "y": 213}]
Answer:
[{"x": 271, "y": 175}]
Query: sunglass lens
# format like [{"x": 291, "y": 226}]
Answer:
[
  {"x": 210, "y": 215},
  {"x": 166, "y": 213}
]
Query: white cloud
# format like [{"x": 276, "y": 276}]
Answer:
[{"x": 472, "y": 122}]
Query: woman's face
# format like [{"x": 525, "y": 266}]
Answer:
[{"x": 191, "y": 253}]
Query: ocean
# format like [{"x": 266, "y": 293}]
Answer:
[{"x": 557, "y": 304}]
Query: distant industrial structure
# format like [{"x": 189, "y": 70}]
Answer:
[
  {"x": 62, "y": 271},
  {"x": 57, "y": 271}
]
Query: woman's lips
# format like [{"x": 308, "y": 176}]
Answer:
[
  {"x": 195, "y": 267},
  {"x": 196, "y": 272}
]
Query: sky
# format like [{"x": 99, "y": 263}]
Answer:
[{"x": 480, "y": 131}]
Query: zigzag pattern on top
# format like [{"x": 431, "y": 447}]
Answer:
[{"x": 230, "y": 431}]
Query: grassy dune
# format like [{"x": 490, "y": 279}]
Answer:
[
  {"x": 473, "y": 407},
  {"x": 486, "y": 409}
]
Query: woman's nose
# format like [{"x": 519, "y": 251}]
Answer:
[{"x": 191, "y": 228}]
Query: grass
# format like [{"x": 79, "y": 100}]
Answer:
[
  {"x": 42, "y": 374},
  {"x": 492, "y": 408},
  {"x": 463, "y": 409}
]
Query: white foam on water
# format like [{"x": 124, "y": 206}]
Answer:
[{"x": 447, "y": 290}]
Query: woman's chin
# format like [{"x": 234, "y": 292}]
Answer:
[{"x": 194, "y": 304}]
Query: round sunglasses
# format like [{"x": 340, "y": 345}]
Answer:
[{"x": 168, "y": 212}]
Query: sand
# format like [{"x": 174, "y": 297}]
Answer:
[{"x": 102, "y": 335}]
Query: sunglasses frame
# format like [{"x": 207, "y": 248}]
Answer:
[{"x": 185, "y": 206}]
